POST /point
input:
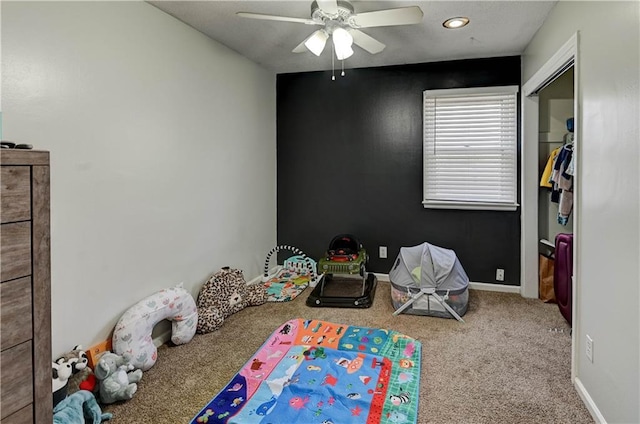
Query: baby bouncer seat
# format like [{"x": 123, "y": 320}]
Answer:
[{"x": 429, "y": 280}]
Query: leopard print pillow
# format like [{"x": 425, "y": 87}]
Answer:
[{"x": 226, "y": 293}]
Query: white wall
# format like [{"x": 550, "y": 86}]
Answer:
[
  {"x": 163, "y": 153},
  {"x": 608, "y": 243}
]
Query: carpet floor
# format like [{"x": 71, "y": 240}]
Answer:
[{"x": 503, "y": 365}]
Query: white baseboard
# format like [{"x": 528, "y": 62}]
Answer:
[
  {"x": 272, "y": 272},
  {"x": 382, "y": 277},
  {"x": 494, "y": 287},
  {"x": 258, "y": 279},
  {"x": 474, "y": 286},
  {"x": 379, "y": 276},
  {"x": 589, "y": 403}
]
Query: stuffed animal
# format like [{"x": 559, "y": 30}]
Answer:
[
  {"x": 81, "y": 375},
  {"x": 226, "y": 293},
  {"x": 79, "y": 407},
  {"x": 115, "y": 379},
  {"x": 61, "y": 371}
]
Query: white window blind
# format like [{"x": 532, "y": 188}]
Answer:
[{"x": 470, "y": 148}]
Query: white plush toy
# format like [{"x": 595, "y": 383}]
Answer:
[{"x": 61, "y": 371}]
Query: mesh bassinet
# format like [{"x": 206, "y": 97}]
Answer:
[{"x": 429, "y": 280}]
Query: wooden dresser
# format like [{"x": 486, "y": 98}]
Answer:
[{"x": 25, "y": 291}]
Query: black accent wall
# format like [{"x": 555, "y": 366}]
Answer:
[{"x": 350, "y": 161}]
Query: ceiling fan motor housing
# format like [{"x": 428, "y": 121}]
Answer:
[{"x": 340, "y": 19}]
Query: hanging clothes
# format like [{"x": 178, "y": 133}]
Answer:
[
  {"x": 569, "y": 137},
  {"x": 562, "y": 183},
  {"x": 565, "y": 206},
  {"x": 559, "y": 176},
  {"x": 545, "y": 180}
]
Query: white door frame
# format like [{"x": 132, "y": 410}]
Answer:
[{"x": 565, "y": 57}]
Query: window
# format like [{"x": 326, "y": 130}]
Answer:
[{"x": 470, "y": 148}]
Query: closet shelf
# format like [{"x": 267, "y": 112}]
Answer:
[{"x": 547, "y": 243}]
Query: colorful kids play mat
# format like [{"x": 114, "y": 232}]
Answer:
[
  {"x": 285, "y": 286},
  {"x": 311, "y": 371}
]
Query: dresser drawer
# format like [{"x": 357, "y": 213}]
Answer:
[
  {"x": 15, "y": 193},
  {"x": 15, "y": 312},
  {"x": 16, "y": 391},
  {"x": 23, "y": 416},
  {"x": 15, "y": 255}
]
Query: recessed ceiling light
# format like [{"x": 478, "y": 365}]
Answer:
[{"x": 455, "y": 23}]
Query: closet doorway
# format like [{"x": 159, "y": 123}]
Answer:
[
  {"x": 555, "y": 204},
  {"x": 563, "y": 60}
]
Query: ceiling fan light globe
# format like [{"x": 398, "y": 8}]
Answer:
[
  {"x": 316, "y": 42},
  {"x": 342, "y": 42},
  {"x": 341, "y": 37},
  {"x": 344, "y": 53}
]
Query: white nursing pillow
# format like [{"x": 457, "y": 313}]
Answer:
[{"x": 133, "y": 331}]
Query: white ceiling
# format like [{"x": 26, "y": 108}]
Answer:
[{"x": 496, "y": 28}]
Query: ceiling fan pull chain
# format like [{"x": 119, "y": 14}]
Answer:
[
  {"x": 333, "y": 65},
  {"x": 342, "y": 74}
]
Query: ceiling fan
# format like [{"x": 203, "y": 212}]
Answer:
[{"x": 340, "y": 22}]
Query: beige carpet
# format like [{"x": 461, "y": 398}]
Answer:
[{"x": 502, "y": 366}]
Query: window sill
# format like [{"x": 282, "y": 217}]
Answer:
[{"x": 480, "y": 206}]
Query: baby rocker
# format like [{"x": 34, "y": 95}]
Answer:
[{"x": 346, "y": 283}]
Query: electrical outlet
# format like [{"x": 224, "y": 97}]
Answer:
[
  {"x": 589, "y": 349},
  {"x": 383, "y": 252},
  {"x": 499, "y": 274},
  {"x": 96, "y": 350}
]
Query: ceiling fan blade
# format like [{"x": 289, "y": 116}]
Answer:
[
  {"x": 329, "y": 6},
  {"x": 277, "y": 18},
  {"x": 367, "y": 42},
  {"x": 388, "y": 17}
]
